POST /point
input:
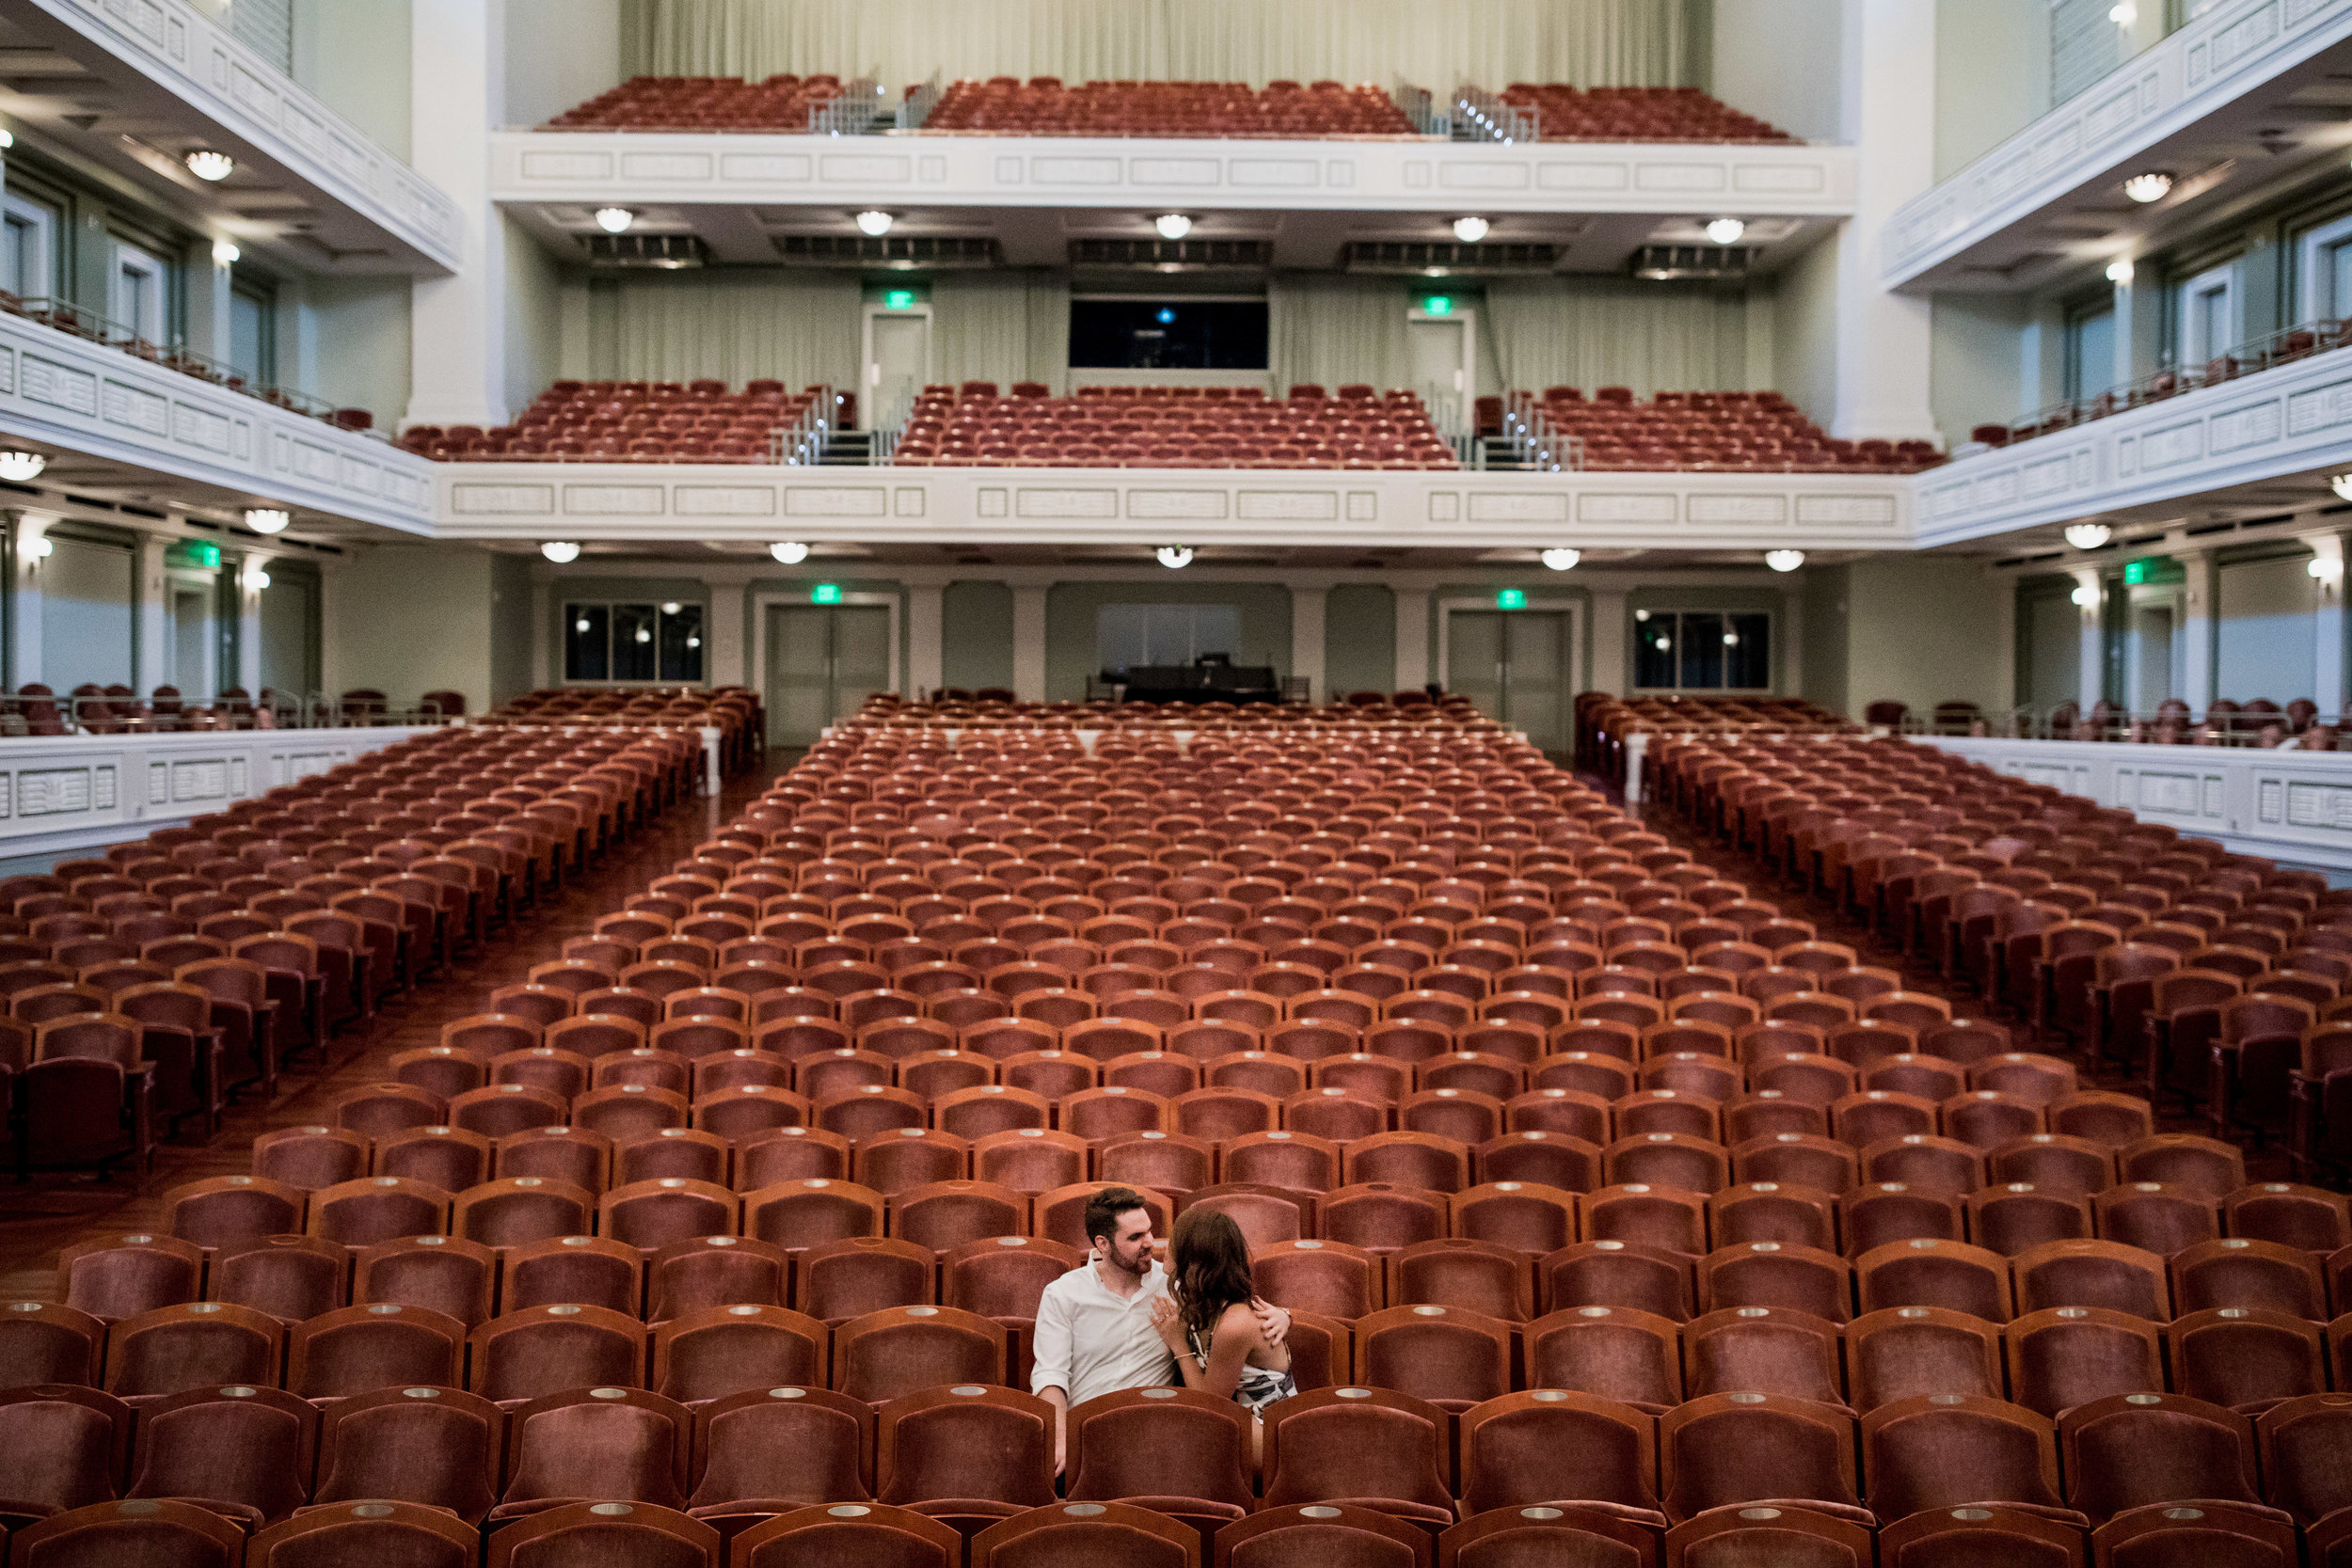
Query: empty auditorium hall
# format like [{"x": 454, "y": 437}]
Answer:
[{"x": 1169, "y": 783}]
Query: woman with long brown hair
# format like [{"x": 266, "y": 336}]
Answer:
[{"x": 1206, "y": 1319}]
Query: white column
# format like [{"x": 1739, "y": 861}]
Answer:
[
  {"x": 330, "y": 627},
  {"x": 1412, "y": 639},
  {"x": 1882, "y": 338},
  {"x": 926, "y": 616},
  {"x": 25, "y": 588},
  {"x": 724, "y": 653},
  {"x": 1307, "y": 612},
  {"x": 207, "y": 302},
  {"x": 2327, "y": 623},
  {"x": 250, "y": 570},
  {"x": 543, "y": 626},
  {"x": 1028, "y": 641},
  {"x": 457, "y": 326},
  {"x": 1608, "y": 672},
  {"x": 2199, "y": 627},
  {"x": 2091, "y": 682},
  {"x": 152, "y": 646}
]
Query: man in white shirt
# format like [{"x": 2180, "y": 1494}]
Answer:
[{"x": 1095, "y": 1334}]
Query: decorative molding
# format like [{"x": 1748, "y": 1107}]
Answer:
[
  {"x": 2096, "y": 136},
  {"x": 64, "y": 390},
  {"x": 185, "y": 52},
  {"x": 656, "y": 503},
  {"x": 2287, "y": 420},
  {"x": 64, "y": 793},
  {"x": 1399, "y": 174}
]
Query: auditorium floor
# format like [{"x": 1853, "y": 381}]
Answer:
[
  {"x": 55, "y": 1211},
  {"x": 60, "y": 1208}
]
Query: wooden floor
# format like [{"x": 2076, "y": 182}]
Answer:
[{"x": 57, "y": 1210}]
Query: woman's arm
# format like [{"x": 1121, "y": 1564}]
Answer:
[{"x": 1235, "y": 1336}]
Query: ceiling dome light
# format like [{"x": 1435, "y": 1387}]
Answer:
[
  {"x": 205, "y": 164},
  {"x": 2087, "y": 536},
  {"x": 874, "y": 222},
  {"x": 41, "y": 545},
  {"x": 2085, "y": 595},
  {"x": 789, "y": 552},
  {"x": 1561, "y": 559},
  {"x": 267, "y": 519},
  {"x": 1784, "y": 560},
  {"x": 2123, "y": 13},
  {"x": 226, "y": 254},
  {"x": 1469, "y": 230},
  {"x": 257, "y": 580},
  {"x": 1172, "y": 225},
  {"x": 2154, "y": 186},
  {"x": 2119, "y": 271},
  {"x": 1726, "y": 230},
  {"x": 2341, "y": 484},
  {"x": 614, "y": 220},
  {"x": 2327, "y": 568},
  {"x": 562, "y": 551},
  {"x": 19, "y": 467},
  {"x": 1175, "y": 557}
]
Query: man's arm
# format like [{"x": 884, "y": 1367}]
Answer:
[
  {"x": 1273, "y": 1322},
  {"x": 1050, "y": 1341}
]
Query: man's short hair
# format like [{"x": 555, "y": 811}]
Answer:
[{"x": 1104, "y": 1208}]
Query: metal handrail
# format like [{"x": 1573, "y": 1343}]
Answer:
[
  {"x": 803, "y": 442},
  {"x": 2115, "y": 725},
  {"x": 919, "y": 104},
  {"x": 852, "y": 114},
  {"x": 886, "y": 435},
  {"x": 2283, "y": 347},
  {"x": 1483, "y": 116},
  {"x": 1542, "y": 444},
  {"x": 1420, "y": 106},
  {"x": 65, "y": 316}
]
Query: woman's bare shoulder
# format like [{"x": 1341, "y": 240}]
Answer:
[{"x": 1238, "y": 1318}]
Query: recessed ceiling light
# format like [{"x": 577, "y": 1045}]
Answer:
[
  {"x": 19, "y": 467},
  {"x": 1469, "y": 230},
  {"x": 1172, "y": 225},
  {"x": 267, "y": 519},
  {"x": 1562, "y": 559},
  {"x": 875, "y": 222},
  {"x": 1784, "y": 560},
  {"x": 1726, "y": 230},
  {"x": 2154, "y": 186},
  {"x": 1175, "y": 557},
  {"x": 790, "y": 552},
  {"x": 205, "y": 164},
  {"x": 2119, "y": 271},
  {"x": 2087, "y": 536},
  {"x": 226, "y": 254},
  {"x": 562, "y": 551},
  {"x": 614, "y": 220},
  {"x": 2085, "y": 595},
  {"x": 2341, "y": 484}
]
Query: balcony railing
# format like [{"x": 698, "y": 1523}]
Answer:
[
  {"x": 2283, "y": 347},
  {"x": 37, "y": 712},
  {"x": 91, "y": 327}
]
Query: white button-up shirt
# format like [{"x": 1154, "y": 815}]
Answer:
[{"x": 1090, "y": 1341}]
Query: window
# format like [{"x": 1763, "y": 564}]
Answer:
[
  {"x": 633, "y": 641},
  {"x": 2324, "y": 260},
  {"x": 2090, "y": 353},
  {"x": 252, "y": 337},
  {"x": 2208, "y": 322},
  {"x": 1131, "y": 636},
  {"x": 1703, "y": 650},
  {"x": 28, "y": 247},
  {"x": 135, "y": 299},
  {"x": 1125, "y": 333}
]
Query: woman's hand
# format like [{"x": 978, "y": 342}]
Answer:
[{"x": 1169, "y": 1323}]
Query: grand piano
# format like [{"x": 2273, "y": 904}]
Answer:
[{"x": 1211, "y": 678}]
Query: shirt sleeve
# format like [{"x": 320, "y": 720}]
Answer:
[{"x": 1050, "y": 1340}]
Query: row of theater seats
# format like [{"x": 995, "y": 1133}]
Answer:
[
  {"x": 735, "y": 711},
  {"x": 634, "y": 421},
  {"x": 1742, "y": 431},
  {"x": 780, "y": 103},
  {"x": 1150, "y": 427},
  {"x": 995, "y": 708},
  {"x": 965, "y": 1468},
  {"x": 1210, "y": 848},
  {"x": 1043, "y": 106},
  {"x": 2258, "y": 721},
  {"x": 2212, "y": 977},
  {"x": 155, "y": 983},
  {"x": 1604, "y": 721},
  {"x": 1635, "y": 114}
]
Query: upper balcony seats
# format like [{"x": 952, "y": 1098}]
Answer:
[
  {"x": 1163, "y": 427},
  {"x": 703, "y": 104},
  {"x": 1737, "y": 432},
  {"x": 630, "y": 421},
  {"x": 1636, "y": 115},
  {"x": 1045, "y": 107}
]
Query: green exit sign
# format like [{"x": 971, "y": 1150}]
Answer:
[
  {"x": 824, "y": 592},
  {"x": 899, "y": 299},
  {"x": 2136, "y": 572},
  {"x": 196, "y": 552},
  {"x": 1511, "y": 598},
  {"x": 1439, "y": 305}
]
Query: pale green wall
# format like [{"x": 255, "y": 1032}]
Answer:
[
  {"x": 543, "y": 82},
  {"x": 1823, "y": 596},
  {"x": 1924, "y": 629},
  {"x": 535, "y": 317},
  {"x": 1069, "y": 619},
  {"x": 976, "y": 635},
  {"x": 1805, "y": 330},
  {"x": 1976, "y": 364},
  {"x": 1358, "y": 640},
  {"x": 1781, "y": 60},
  {"x": 355, "y": 55},
  {"x": 359, "y": 331},
  {"x": 510, "y": 627},
  {"x": 1992, "y": 75},
  {"x": 417, "y": 618}
]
